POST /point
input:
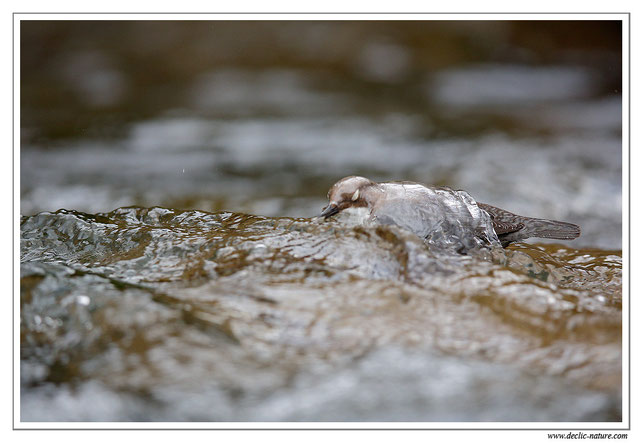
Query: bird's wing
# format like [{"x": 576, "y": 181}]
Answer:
[{"x": 504, "y": 222}]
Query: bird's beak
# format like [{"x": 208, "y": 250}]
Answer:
[{"x": 329, "y": 210}]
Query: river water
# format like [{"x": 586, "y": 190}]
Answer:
[{"x": 172, "y": 268}]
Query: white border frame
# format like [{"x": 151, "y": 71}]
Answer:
[{"x": 554, "y": 426}]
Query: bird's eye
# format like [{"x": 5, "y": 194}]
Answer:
[{"x": 355, "y": 195}]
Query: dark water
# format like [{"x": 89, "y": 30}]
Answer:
[{"x": 185, "y": 280}]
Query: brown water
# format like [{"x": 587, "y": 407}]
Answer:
[
  {"x": 157, "y": 307},
  {"x": 171, "y": 270}
]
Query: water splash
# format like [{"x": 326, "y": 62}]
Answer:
[{"x": 236, "y": 314}]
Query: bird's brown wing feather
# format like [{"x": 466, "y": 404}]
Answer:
[{"x": 504, "y": 222}]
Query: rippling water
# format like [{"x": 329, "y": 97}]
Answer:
[
  {"x": 171, "y": 270},
  {"x": 172, "y": 315}
]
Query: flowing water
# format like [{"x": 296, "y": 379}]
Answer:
[
  {"x": 172, "y": 268},
  {"x": 173, "y": 315}
]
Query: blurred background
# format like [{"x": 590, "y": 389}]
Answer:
[{"x": 263, "y": 117}]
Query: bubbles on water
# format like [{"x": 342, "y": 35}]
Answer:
[
  {"x": 384, "y": 62},
  {"x": 242, "y": 92},
  {"x": 94, "y": 77},
  {"x": 502, "y": 85},
  {"x": 83, "y": 300},
  {"x": 170, "y": 135}
]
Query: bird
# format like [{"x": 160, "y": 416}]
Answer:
[{"x": 440, "y": 215}]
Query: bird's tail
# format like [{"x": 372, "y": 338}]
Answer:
[{"x": 558, "y": 230}]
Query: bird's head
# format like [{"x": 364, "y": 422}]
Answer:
[{"x": 349, "y": 192}]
